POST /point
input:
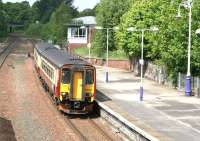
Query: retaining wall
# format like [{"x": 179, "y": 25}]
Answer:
[{"x": 113, "y": 63}]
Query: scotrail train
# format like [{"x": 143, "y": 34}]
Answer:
[{"x": 70, "y": 80}]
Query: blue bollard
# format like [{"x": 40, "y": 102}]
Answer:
[
  {"x": 188, "y": 87},
  {"x": 141, "y": 93},
  {"x": 106, "y": 77}
]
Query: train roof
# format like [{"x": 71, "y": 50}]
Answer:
[{"x": 58, "y": 57}]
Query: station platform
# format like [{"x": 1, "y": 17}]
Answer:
[{"x": 165, "y": 113}]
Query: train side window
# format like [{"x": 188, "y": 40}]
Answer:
[
  {"x": 66, "y": 76},
  {"x": 89, "y": 77}
]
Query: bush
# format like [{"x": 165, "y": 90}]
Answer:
[{"x": 117, "y": 54}]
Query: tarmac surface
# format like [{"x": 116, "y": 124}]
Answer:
[{"x": 165, "y": 113}]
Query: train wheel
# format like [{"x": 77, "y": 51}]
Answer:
[{"x": 56, "y": 101}]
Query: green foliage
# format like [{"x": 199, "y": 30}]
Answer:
[
  {"x": 117, "y": 54},
  {"x": 43, "y": 9},
  {"x": 3, "y": 27},
  {"x": 87, "y": 12},
  {"x": 17, "y": 13},
  {"x": 59, "y": 19},
  {"x": 168, "y": 46},
  {"x": 13, "y": 14},
  {"x": 55, "y": 29},
  {"x": 108, "y": 15}
]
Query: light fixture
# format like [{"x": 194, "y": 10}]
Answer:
[
  {"x": 131, "y": 29},
  {"x": 116, "y": 28},
  {"x": 98, "y": 27},
  {"x": 82, "y": 27},
  {"x": 154, "y": 28},
  {"x": 198, "y": 31}
]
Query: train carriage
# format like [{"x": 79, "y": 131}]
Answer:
[{"x": 70, "y": 80}]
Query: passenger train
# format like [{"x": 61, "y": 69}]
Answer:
[{"x": 71, "y": 81}]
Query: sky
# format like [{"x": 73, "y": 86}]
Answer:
[
  {"x": 83, "y": 4},
  {"x": 80, "y": 4}
]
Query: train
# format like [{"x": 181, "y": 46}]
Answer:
[{"x": 70, "y": 80}]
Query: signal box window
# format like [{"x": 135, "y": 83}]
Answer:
[
  {"x": 66, "y": 76},
  {"x": 78, "y": 32},
  {"x": 89, "y": 77}
]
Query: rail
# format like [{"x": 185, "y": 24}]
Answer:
[
  {"x": 6, "y": 51},
  {"x": 79, "y": 125}
]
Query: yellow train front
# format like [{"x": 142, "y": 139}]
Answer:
[
  {"x": 70, "y": 80},
  {"x": 77, "y": 89}
]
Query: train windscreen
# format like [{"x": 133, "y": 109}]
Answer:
[
  {"x": 66, "y": 76},
  {"x": 89, "y": 77}
]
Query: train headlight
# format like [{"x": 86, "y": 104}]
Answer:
[
  {"x": 89, "y": 94},
  {"x": 64, "y": 94}
]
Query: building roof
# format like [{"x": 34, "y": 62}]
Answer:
[
  {"x": 58, "y": 57},
  {"x": 87, "y": 20}
]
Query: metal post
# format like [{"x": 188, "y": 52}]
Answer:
[
  {"x": 141, "y": 64},
  {"x": 89, "y": 44},
  {"x": 107, "y": 56},
  {"x": 179, "y": 80},
  {"x": 188, "y": 89},
  {"x": 198, "y": 89}
]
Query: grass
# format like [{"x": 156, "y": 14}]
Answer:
[
  {"x": 118, "y": 54},
  {"x": 2, "y": 39}
]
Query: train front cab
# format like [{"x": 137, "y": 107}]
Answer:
[{"x": 78, "y": 89}]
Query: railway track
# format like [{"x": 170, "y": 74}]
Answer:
[
  {"x": 6, "y": 51},
  {"x": 84, "y": 126},
  {"x": 88, "y": 129}
]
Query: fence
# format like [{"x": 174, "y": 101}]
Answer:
[
  {"x": 195, "y": 83},
  {"x": 153, "y": 72}
]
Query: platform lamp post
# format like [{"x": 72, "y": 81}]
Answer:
[
  {"x": 89, "y": 44},
  {"x": 141, "y": 61},
  {"x": 107, "y": 36},
  {"x": 188, "y": 5}
]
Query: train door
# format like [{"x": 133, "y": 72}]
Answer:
[
  {"x": 78, "y": 85},
  {"x": 65, "y": 84}
]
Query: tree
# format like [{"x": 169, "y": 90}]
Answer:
[
  {"x": 17, "y": 13},
  {"x": 3, "y": 24},
  {"x": 87, "y": 12},
  {"x": 169, "y": 46},
  {"x": 55, "y": 29},
  {"x": 108, "y": 14},
  {"x": 59, "y": 19},
  {"x": 43, "y": 9}
]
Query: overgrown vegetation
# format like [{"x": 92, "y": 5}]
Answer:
[
  {"x": 117, "y": 54},
  {"x": 2, "y": 21},
  {"x": 12, "y": 14},
  {"x": 56, "y": 27},
  {"x": 108, "y": 14},
  {"x": 167, "y": 47},
  {"x": 87, "y": 12}
]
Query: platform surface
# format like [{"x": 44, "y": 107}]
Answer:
[{"x": 165, "y": 113}]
